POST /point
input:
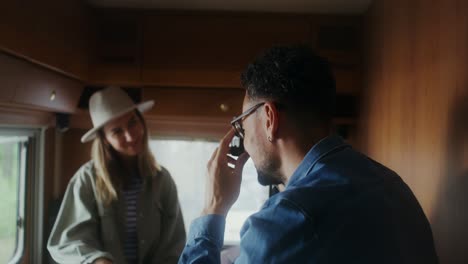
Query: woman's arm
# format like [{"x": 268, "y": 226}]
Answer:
[
  {"x": 173, "y": 235},
  {"x": 102, "y": 261},
  {"x": 75, "y": 235}
]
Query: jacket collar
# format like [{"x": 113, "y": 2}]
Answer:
[{"x": 320, "y": 150}]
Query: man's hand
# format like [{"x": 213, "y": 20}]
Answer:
[
  {"x": 223, "y": 184},
  {"x": 102, "y": 261}
]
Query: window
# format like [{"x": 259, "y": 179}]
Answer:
[
  {"x": 186, "y": 161},
  {"x": 12, "y": 169},
  {"x": 18, "y": 165}
]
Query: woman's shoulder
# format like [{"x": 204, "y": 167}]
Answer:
[
  {"x": 85, "y": 175},
  {"x": 163, "y": 178},
  {"x": 163, "y": 172}
]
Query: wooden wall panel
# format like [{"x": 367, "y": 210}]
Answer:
[
  {"x": 193, "y": 127},
  {"x": 52, "y": 32},
  {"x": 413, "y": 108},
  {"x": 211, "y": 50},
  {"x": 202, "y": 112},
  {"x": 26, "y": 85},
  {"x": 73, "y": 155},
  {"x": 348, "y": 81},
  {"x": 184, "y": 112},
  {"x": 190, "y": 102},
  {"x": 10, "y": 115},
  {"x": 116, "y": 43}
]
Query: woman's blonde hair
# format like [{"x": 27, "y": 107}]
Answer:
[{"x": 108, "y": 167}]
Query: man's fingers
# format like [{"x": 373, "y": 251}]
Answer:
[
  {"x": 240, "y": 162},
  {"x": 213, "y": 157},
  {"x": 224, "y": 144},
  {"x": 242, "y": 159},
  {"x": 231, "y": 159}
]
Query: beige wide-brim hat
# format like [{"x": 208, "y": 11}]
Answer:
[{"x": 109, "y": 104}]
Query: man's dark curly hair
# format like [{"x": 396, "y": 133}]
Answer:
[{"x": 293, "y": 77}]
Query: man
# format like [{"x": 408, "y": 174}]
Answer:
[{"x": 338, "y": 206}]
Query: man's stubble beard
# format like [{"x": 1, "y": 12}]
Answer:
[{"x": 268, "y": 171}]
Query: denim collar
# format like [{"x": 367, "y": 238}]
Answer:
[{"x": 321, "y": 149}]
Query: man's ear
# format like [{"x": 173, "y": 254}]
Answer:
[{"x": 271, "y": 120}]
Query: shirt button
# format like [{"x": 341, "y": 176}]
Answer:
[{"x": 143, "y": 242}]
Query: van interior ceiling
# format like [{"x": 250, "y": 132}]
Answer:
[{"x": 400, "y": 69}]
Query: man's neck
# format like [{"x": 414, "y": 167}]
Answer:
[{"x": 294, "y": 151}]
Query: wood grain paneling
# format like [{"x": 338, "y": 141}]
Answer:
[
  {"x": 191, "y": 127},
  {"x": 169, "y": 49},
  {"x": 51, "y": 32},
  {"x": 415, "y": 85},
  {"x": 74, "y": 154},
  {"x": 27, "y": 85},
  {"x": 348, "y": 81},
  {"x": 116, "y": 50},
  {"x": 12, "y": 115},
  {"x": 184, "y": 112},
  {"x": 194, "y": 102},
  {"x": 211, "y": 50},
  {"x": 200, "y": 113}
]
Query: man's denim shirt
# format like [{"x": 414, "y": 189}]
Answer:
[{"x": 339, "y": 206}]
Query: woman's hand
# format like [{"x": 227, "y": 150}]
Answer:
[
  {"x": 102, "y": 261},
  {"x": 223, "y": 183}
]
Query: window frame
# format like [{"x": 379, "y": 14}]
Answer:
[
  {"x": 226, "y": 243},
  {"x": 29, "y": 242}
]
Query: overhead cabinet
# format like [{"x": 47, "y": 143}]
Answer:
[{"x": 30, "y": 86}]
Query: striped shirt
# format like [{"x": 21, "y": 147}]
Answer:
[{"x": 130, "y": 195}]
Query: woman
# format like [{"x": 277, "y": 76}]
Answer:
[{"x": 120, "y": 207}]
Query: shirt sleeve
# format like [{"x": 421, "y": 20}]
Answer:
[
  {"x": 276, "y": 234},
  {"x": 205, "y": 240},
  {"x": 75, "y": 235},
  {"x": 279, "y": 233}
]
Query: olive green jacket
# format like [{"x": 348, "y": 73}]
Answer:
[{"x": 85, "y": 229}]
